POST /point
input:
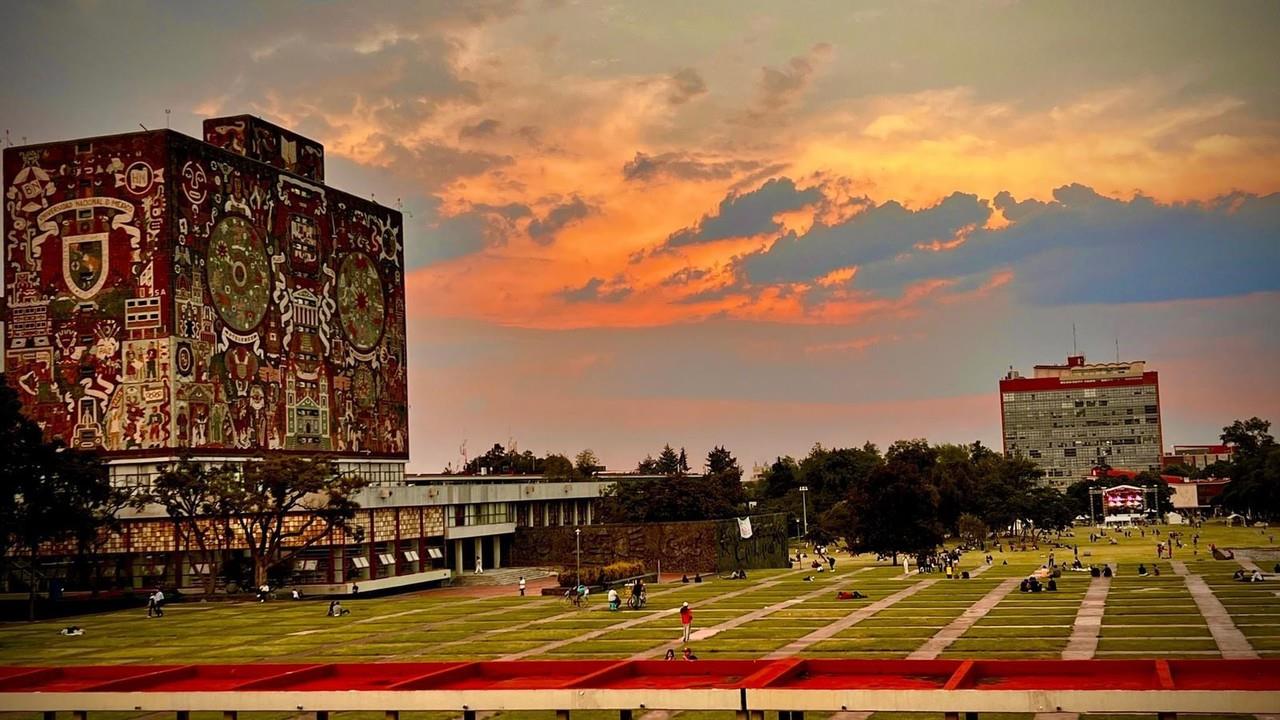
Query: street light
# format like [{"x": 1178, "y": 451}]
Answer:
[
  {"x": 577, "y": 542},
  {"x": 804, "y": 508}
]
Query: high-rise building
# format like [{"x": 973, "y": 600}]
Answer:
[
  {"x": 166, "y": 294},
  {"x": 1070, "y": 418}
]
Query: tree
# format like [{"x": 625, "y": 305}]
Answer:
[
  {"x": 682, "y": 466},
  {"x": 587, "y": 463},
  {"x": 647, "y": 466},
  {"x": 897, "y": 512},
  {"x": 668, "y": 461},
  {"x": 724, "y": 495},
  {"x": 283, "y": 505},
  {"x": 1163, "y": 493},
  {"x": 1255, "y": 469},
  {"x": 558, "y": 468},
  {"x": 780, "y": 478},
  {"x": 52, "y": 493},
  {"x": 198, "y": 499},
  {"x": 973, "y": 532}
]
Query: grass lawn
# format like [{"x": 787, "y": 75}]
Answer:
[{"x": 1144, "y": 616}]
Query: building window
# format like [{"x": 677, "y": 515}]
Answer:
[
  {"x": 360, "y": 561},
  {"x": 1069, "y": 452}
]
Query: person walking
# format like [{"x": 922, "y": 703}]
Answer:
[
  {"x": 479, "y": 565},
  {"x": 521, "y": 586},
  {"x": 686, "y": 620}
]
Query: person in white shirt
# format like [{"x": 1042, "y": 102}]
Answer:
[
  {"x": 521, "y": 586},
  {"x": 613, "y": 599}
]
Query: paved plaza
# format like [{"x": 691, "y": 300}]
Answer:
[{"x": 1192, "y": 609}]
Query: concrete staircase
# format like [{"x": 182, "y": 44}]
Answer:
[{"x": 500, "y": 576}]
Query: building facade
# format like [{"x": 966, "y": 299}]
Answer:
[
  {"x": 165, "y": 294},
  {"x": 1070, "y": 418},
  {"x": 1196, "y": 457}
]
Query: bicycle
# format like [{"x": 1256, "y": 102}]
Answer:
[
  {"x": 637, "y": 602},
  {"x": 571, "y": 597}
]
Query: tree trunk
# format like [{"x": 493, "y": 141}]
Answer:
[
  {"x": 259, "y": 570},
  {"x": 31, "y": 587}
]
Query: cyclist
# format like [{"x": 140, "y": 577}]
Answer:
[
  {"x": 581, "y": 598},
  {"x": 638, "y": 598}
]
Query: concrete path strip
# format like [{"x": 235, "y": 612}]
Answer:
[
  {"x": 847, "y": 621},
  {"x": 1088, "y": 625},
  {"x": 1232, "y": 643},
  {"x": 714, "y": 630},
  {"x": 520, "y": 626},
  {"x": 934, "y": 646},
  {"x": 592, "y": 634}
]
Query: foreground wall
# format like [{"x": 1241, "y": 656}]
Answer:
[{"x": 712, "y": 546}]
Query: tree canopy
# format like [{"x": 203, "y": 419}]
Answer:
[
  {"x": 51, "y": 493},
  {"x": 1254, "y": 489}
]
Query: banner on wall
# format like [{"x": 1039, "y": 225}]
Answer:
[{"x": 744, "y": 527}]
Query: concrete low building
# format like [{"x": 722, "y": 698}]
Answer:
[{"x": 427, "y": 529}]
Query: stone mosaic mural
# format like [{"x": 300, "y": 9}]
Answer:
[{"x": 164, "y": 293}]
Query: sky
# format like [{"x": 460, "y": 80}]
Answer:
[{"x": 757, "y": 225}]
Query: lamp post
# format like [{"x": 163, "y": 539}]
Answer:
[
  {"x": 1093, "y": 491},
  {"x": 804, "y": 508},
  {"x": 577, "y": 543}
]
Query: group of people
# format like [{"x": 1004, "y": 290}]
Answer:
[
  {"x": 1033, "y": 584},
  {"x": 1256, "y": 576}
]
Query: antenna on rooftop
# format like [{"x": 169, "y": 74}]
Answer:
[
  {"x": 166, "y": 118},
  {"x": 462, "y": 450},
  {"x": 144, "y": 127},
  {"x": 1117, "y": 348},
  {"x": 8, "y": 142},
  {"x": 1075, "y": 347}
]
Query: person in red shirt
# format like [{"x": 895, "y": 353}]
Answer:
[{"x": 686, "y": 620}]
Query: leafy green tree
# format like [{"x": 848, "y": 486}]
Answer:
[
  {"x": 587, "y": 463},
  {"x": 558, "y": 468},
  {"x": 198, "y": 499},
  {"x": 780, "y": 478},
  {"x": 1163, "y": 494},
  {"x": 897, "y": 512},
  {"x": 283, "y": 505},
  {"x": 1254, "y": 489},
  {"x": 973, "y": 532},
  {"x": 51, "y": 493}
]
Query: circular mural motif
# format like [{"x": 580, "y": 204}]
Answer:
[
  {"x": 239, "y": 276},
  {"x": 360, "y": 302}
]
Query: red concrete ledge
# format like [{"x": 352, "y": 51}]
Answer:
[{"x": 787, "y": 674}]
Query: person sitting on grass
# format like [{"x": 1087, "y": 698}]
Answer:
[
  {"x": 846, "y": 595},
  {"x": 697, "y": 577},
  {"x": 1142, "y": 569},
  {"x": 671, "y": 654},
  {"x": 1257, "y": 576},
  {"x": 684, "y": 579},
  {"x": 1238, "y": 575},
  {"x": 688, "y": 653},
  {"x": 1106, "y": 571},
  {"x": 336, "y": 609},
  {"x": 72, "y": 630},
  {"x": 1052, "y": 586}
]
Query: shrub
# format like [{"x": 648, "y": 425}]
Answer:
[{"x": 600, "y": 575}]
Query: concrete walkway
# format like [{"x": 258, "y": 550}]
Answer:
[
  {"x": 592, "y": 634},
  {"x": 847, "y": 621},
  {"x": 1232, "y": 643},
  {"x": 537, "y": 599},
  {"x": 1088, "y": 625},
  {"x": 934, "y": 646},
  {"x": 714, "y": 630}
]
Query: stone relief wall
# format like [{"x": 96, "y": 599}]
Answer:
[{"x": 713, "y": 546}]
